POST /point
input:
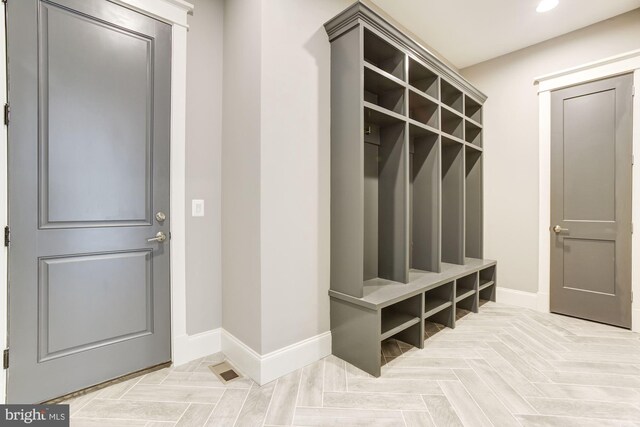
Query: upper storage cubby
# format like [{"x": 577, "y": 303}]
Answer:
[
  {"x": 383, "y": 91},
  {"x": 423, "y": 79},
  {"x": 450, "y": 96},
  {"x": 452, "y": 123},
  {"x": 383, "y": 55},
  {"x": 472, "y": 109},
  {"x": 473, "y": 133},
  {"x": 423, "y": 109}
]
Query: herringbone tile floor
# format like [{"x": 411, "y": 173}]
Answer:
[{"x": 504, "y": 366}]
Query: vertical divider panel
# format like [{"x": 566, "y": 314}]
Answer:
[{"x": 347, "y": 163}]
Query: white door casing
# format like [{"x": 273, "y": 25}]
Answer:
[{"x": 608, "y": 67}]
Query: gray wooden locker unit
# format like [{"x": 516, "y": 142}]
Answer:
[{"x": 406, "y": 189}]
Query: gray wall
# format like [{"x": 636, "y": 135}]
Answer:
[
  {"x": 241, "y": 290},
  {"x": 295, "y": 169},
  {"x": 204, "y": 142},
  {"x": 511, "y": 137}
]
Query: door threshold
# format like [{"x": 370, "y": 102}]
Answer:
[{"x": 108, "y": 383}]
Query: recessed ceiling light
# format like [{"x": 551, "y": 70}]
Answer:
[{"x": 546, "y": 5}]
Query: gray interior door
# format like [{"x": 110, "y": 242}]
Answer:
[
  {"x": 89, "y": 300},
  {"x": 591, "y": 162}
]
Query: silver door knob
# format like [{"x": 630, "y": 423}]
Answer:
[
  {"x": 160, "y": 237},
  {"x": 557, "y": 229},
  {"x": 160, "y": 217}
]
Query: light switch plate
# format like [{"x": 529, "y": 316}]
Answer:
[{"x": 197, "y": 207}]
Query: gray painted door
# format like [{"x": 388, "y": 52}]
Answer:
[
  {"x": 591, "y": 161},
  {"x": 88, "y": 170}
]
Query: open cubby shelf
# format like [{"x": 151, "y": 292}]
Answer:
[
  {"x": 423, "y": 109},
  {"x": 472, "y": 109},
  {"x": 406, "y": 190},
  {"x": 484, "y": 284},
  {"x": 451, "y": 96},
  {"x": 473, "y": 133},
  {"x": 393, "y": 322},
  {"x": 383, "y": 54},
  {"x": 423, "y": 79},
  {"x": 452, "y": 123},
  {"x": 383, "y": 91}
]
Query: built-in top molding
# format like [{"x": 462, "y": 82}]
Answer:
[{"x": 361, "y": 13}]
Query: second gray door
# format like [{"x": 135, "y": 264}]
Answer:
[
  {"x": 89, "y": 88},
  {"x": 591, "y": 162}
]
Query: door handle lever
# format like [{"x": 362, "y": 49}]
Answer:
[
  {"x": 160, "y": 237},
  {"x": 557, "y": 229}
]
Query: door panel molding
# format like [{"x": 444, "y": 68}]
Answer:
[
  {"x": 57, "y": 172},
  {"x": 617, "y": 65},
  {"x": 135, "y": 306}
]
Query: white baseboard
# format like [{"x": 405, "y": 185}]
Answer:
[
  {"x": 243, "y": 357},
  {"x": 268, "y": 367},
  {"x": 543, "y": 303},
  {"x": 191, "y": 347},
  {"x": 517, "y": 298},
  {"x": 635, "y": 320}
]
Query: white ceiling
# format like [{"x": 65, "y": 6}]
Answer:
[{"x": 467, "y": 32}]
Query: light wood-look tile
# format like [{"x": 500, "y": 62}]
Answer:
[
  {"x": 228, "y": 408},
  {"x": 500, "y": 367},
  {"x": 347, "y": 417},
  {"x": 312, "y": 384},
  {"x": 591, "y": 409},
  {"x": 441, "y": 411},
  {"x": 283, "y": 402},
  {"x": 373, "y": 401},
  {"x": 390, "y": 385},
  {"x": 256, "y": 405},
  {"x": 552, "y": 421},
  {"x": 134, "y": 410},
  {"x": 417, "y": 419},
  {"x": 171, "y": 393},
  {"x": 196, "y": 415},
  {"x": 104, "y": 422},
  {"x": 464, "y": 405}
]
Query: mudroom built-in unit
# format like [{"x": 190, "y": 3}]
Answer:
[{"x": 406, "y": 189}]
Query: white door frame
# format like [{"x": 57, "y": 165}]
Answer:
[
  {"x": 173, "y": 12},
  {"x": 616, "y": 65}
]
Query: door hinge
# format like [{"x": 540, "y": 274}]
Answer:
[
  {"x": 5, "y": 358},
  {"x": 7, "y": 236},
  {"x": 7, "y": 114}
]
